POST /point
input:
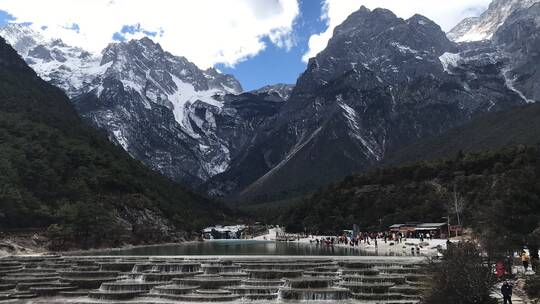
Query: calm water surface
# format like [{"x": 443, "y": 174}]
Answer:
[{"x": 235, "y": 247}]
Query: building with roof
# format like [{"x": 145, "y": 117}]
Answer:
[
  {"x": 223, "y": 232},
  {"x": 415, "y": 229}
]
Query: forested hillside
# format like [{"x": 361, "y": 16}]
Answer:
[
  {"x": 60, "y": 174},
  {"x": 497, "y": 192}
]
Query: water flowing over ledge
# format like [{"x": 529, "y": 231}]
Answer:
[{"x": 181, "y": 279}]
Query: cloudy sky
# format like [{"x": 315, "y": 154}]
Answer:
[{"x": 259, "y": 41}]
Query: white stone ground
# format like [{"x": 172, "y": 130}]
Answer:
[{"x": 427, "y": 247}]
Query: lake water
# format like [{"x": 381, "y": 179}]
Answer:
[{"x": 235, "y": 247}]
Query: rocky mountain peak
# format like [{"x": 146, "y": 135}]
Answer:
[
  {"x": 161, "y": 108},
  {"x": 153, "y": 63},
  {"x": 145, "y": 48},
  {"x": 484, "y": 26},
  {"x": 281, "y": 90},
  {"x": 21, "y": 37},
  {"x": 423, "y": 22},
  {"x": 365, "y": 21},
  {"x": 381, "y": 83},
  {"x": 70, "y": 68},
  {"x": 375, "y": 40}
]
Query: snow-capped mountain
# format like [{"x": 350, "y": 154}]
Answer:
[
  {"x": 165, "y": 111},
  {"x": 22, "y": 38},
  {"x": 485, "y": 26},
  {"x": 162, "y": 109},
  {"x": 381, "y": 83},
  {"x": 70, "y": 68}
]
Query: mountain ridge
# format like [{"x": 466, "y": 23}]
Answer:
[
  {"x": 381, "y": 84},
  {"x": 492, "y": 131},
  {"x": 161, "y": 108}
]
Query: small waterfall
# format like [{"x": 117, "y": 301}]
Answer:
[{"x": 142, "y": 280}]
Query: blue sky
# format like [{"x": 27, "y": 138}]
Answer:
[
  {"x": 271, "y": 65},
  {"x": 260, "y": 42},
  {"x": 5, "y": 17},
  {"x": 279, "y": 65}
]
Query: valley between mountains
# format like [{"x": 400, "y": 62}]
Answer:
[{"x": 153, "y": 138}]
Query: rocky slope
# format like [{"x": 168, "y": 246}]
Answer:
[
  {"x": 497, "y": 130},
  {"x": 382, "y": 83},
  {"x": 519, "y": 39},
  {"x": 485, "y": 26},
  {"x": 160, "y": 108}
]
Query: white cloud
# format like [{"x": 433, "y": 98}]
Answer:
[
  {"x": 205, "y": 31},
  {"x": 447, "y": 13}
]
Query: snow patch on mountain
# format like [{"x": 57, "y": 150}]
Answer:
[
  {"x": 184, "y": 96},
  {"x": 121, "y": 139},
  {"x": 449, "y": 60},
  {"x": 403, "y": 48},
  {"x": 129, "y": 84},
  {"x": 356, "y": 131},
  {"x": 510, "y": 84}
]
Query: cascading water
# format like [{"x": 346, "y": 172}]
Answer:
[{"x": 170, "y": 280}]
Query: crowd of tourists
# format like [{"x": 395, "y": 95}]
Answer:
[
  {"x": 368, "y": 238},
  {"x": 529, "y": 261},
  {"x": 503, "y": 270}
]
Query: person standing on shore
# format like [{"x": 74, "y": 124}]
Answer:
[
  {"x": 506, "y": 291},
  {"x": 508, "y": 261},
  {"x": 535, "y": 259},
  {"x": 525, "y": 260}
]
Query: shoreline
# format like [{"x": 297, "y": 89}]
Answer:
[
  {"x": 408, "y": 247},
  {"x": 21, "y": 248}
]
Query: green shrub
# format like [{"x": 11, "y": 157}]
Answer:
[
  {"x": 532, "y": 286},
  {"x": 461, "y": 277}
]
